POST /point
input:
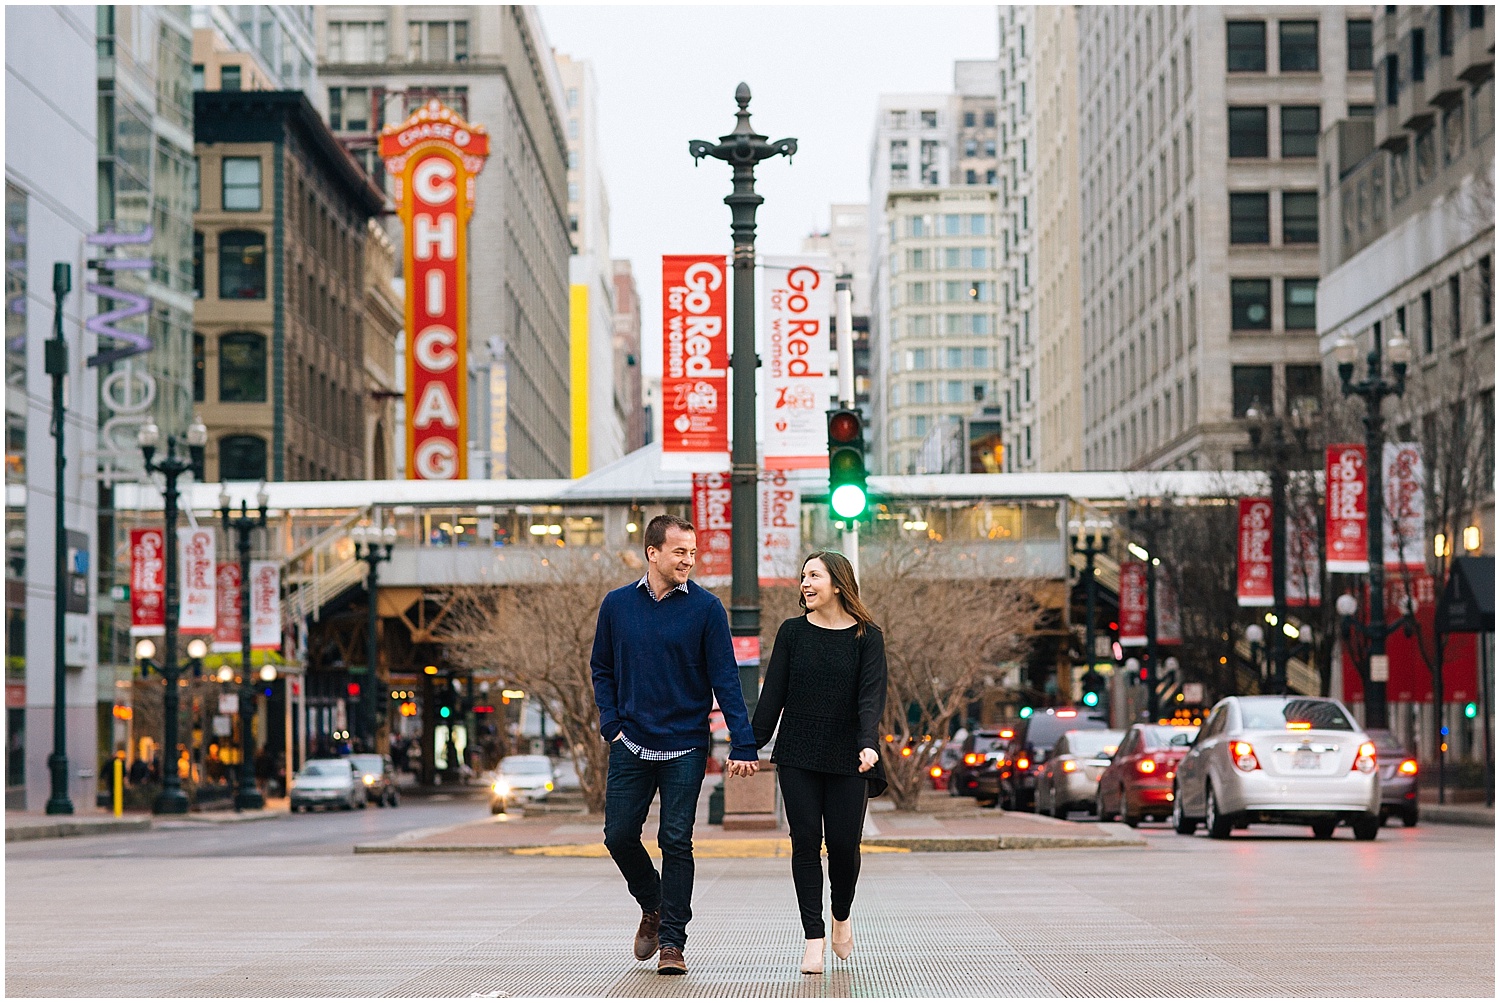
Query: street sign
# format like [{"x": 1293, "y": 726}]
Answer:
[{"x": 1469, "y": 598}]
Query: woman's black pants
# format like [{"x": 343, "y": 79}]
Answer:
[{"x": 823, "y": 807}]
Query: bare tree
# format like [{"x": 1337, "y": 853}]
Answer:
[
  {"x": 539, "y": 637},
  {"x": 943, "y": 632},
  {"x": 1198, "y": 549}
]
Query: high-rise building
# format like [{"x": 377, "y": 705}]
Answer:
[
  {"x": 1408, "y": 242},
  {"x": 255, "y": 47},
  {"x": 51, "y": 112},
  {"x": 598, "y": 412},
  {"x": 1199, "y": 177},
  {"x": 934, "y": 267},
  {"x": 628, "y": 387},
  {"x": 493, "y": 66},
  {"x": 1059, "y": 361},
  {"x": 1020, "y": 391},
  {"x": 281, "y": 227}
]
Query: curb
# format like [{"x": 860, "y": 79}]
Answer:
[
  {"x": 707, "y": 849},
  {"x": 59, "y": 830},
  {"x": 1445, "y": 814},
  {"x": 220, "y": 818}
]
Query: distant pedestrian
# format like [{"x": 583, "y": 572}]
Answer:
[
  {"x": 662, "y": 653},
  {"x": 139, "y": 772},
  {"x": 826, "y": 686}
]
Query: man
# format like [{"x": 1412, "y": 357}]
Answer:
[{"x": 661, "y": 654}]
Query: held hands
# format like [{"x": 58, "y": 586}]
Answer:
[
  {"x": 867, "y": 760},
  {"x": 741, "y": 767}
]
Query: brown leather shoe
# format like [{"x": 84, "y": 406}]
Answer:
[
  {"x": 671, "y": 962},
  {"x": 645, "y": 935}
]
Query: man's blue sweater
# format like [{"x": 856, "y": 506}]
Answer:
[{"x": 658, "y": 665}]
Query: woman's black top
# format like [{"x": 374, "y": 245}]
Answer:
[{"x": 827, "y": 687}]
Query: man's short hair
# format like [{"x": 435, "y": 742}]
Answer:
[{"x": 656, "y": 529}]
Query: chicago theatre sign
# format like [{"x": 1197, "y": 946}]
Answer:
[{"x": 434, "y": 158}]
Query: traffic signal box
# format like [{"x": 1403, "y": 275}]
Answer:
[
  {"x": 848, "y": 495},
  {"x": 1093, "y": 686}
]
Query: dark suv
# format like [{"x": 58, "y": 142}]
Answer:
[
  {"x": 980, "y": 749},
  {"x": 1012, "y": 781}
]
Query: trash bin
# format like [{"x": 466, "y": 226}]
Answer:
[{"x": 716, "y": 805}]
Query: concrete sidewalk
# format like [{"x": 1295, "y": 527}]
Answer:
[
  {"x": 23, "y": 826},
  {"x": 580, "y": 835}
]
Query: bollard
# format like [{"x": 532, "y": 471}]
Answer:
[{"x": 119, "y": 784}]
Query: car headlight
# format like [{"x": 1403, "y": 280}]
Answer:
[
  {"x": 549, "y": 785},
  {"x": 369, "y": 780},
  {"x": 501, "y": 787}
]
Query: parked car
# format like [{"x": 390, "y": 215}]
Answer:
[
  {"x": 1013, "y": 781},
  {"x": 1398, "y": 777},
  {"x": 328, "y": 782},
  {"x": 521, "y": 780},
  {"x": 942, "y": 770},
  {"x": 1070, "y": 776},
  {"x": 565, "y": 775},
  {"x": 378, "y": 776},
  {"x": 980, "y": 747},
  {"x": 1138, "y": 781},
  {"x": 1287, "y": 759}
]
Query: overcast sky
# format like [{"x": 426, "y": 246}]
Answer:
[{"x": 667, "y": 75}]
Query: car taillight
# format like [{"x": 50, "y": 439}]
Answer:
[
  {"x": 1408, "y": 767},
  {"x": 936, "y": 771},
  {"x": 1069, "y": 766},
  {"x": 1243, "y": 756},
  {"x": 1364, "y": 762},
  {"x": 1145, "y": 766},
  {"x": 971, "y": 759},
  {"x": 1023, "y": 763}
]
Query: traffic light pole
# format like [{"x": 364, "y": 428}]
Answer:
[{"x": 844, "y": 333}]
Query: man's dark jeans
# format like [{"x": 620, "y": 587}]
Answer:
[{"x": 633, "y": 782}]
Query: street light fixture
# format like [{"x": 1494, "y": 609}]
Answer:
[
  {"x": 1149, "y": 517},
  {"x": 1374, "y": 389},
  {"x": 171, "y": 801},
  {"x": 1090, "y": 537},
  {"x": 371, "y": 545},
  {"x": 56, "y": 358},
  {"x": 1279, "y": 451},
  {"x": 742, "y": 149},
  {"x": 248, "y": 797}
]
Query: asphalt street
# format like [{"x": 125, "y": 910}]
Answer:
[{"x": 1271, "y": 912}]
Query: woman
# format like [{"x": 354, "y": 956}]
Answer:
[{"x": 826, "y": 685}]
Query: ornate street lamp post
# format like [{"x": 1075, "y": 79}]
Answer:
[
  {"x": 1148, "y": 517},
  {"x": 1090, "y": 538},
  {"x": 59, "y": 803},
  {"x": 371, "y": 545},
  {"x": 742, "y": 149},
  {"x": 242, "y": 525},
  {"x": 1375, "y": 388},
  {"x": 171, "y": 801},
  {"x": 1278, "y": 452}
]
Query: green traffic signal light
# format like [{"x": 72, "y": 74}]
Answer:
[
  {"x": 1471, "y": 710},
  {"x": 1091, "y": 699},
  {"x": 847, "y": 493},
  {"x": 445, "y": 711},
  {"x": 1025, "y": 712},
  {"x": 849, "y": 501}
]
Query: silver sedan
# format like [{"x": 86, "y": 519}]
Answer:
[{"x": 1286, "y": 759}]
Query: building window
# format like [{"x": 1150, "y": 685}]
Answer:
[
  {"x": 1361, "y": 111},
  {"x": 356, "y": 42},
  {"x": 242, "y": 458},
  {"x": 197, "y": 264},
  {"x": 1476, "y": 15},
  {"x": 438, "y": 41},
  {"x": 357, "y": 109},
  {"x": 1250, "y": 304},
  {"x": 1392, "y": 79},
  {"x": 572, "y": 191},
  {"x": 1247, "y": 132},
  {"x": 929, "y": 119},
  {"x": 242, "y": 265},
  {"x": 456, "y": 98},
  {"x": 1299, "y": 217},
  {"x": 229, "y": 77},
  {"x": 200, "y": 81},
  {"x": 1299, "y": 130},
  {"x": 199, "y": 349},
  {"x": 1486, "y": 307},
  {"x": 1418, "y": 54},
  {"x": 1455, "y": 309},
  {"x": 1445, "y": 30},
  {"x": 1427, "y": 321},
  {"x": 1360, "y": 48},
  {"x": 1247, "y": 46},
  {"x": 1249, "y": 218},
  {"x": 1299, "y": 46},
  {"x": 242, "y": 368},
  {"x": 241, "y": 184},
  {"x": 1304, "y": 389},
  {"x": 1301, "y": 304},
  {"x": 572, "y": 98},
  {"x": 1252, "y": 385}
]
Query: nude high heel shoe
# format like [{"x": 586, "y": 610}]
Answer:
[
  {"x": 812, "y": 958},
  {"x": 842, "y": 940}
]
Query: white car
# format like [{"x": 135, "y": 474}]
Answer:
[
  {"x": 1287, "y": 759},
  {"x": 520, "y": 779},
  {"x": 328, "y": 782}
]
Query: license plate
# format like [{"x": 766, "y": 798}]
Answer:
[{"x": 1304, "y": 760}]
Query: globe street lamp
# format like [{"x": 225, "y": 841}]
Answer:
[
  {"x": 1278, "y": 451},
  {"x": 371, "y": 545},
  {"x": 742, "y": 149},
  {"x": 171, "y": 801},
  {"x": 1375, "y": 388},
  {"x": 242, "y": 525},
  {"x": 1090, "y": 538}
]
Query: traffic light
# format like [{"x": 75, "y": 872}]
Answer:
[
  {"x": 1025, "y": 712},
  {"x": 848, "y": 496},
  {"x": 1471, "y": 710},
  {"x": 1093, "y": 688}
]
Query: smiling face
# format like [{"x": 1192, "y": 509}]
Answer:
[
  {"x": 675, "y": 558},
  {"x": 818, "y": 590}
]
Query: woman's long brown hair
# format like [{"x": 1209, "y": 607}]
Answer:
[{"x": 842, "y": 574}]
